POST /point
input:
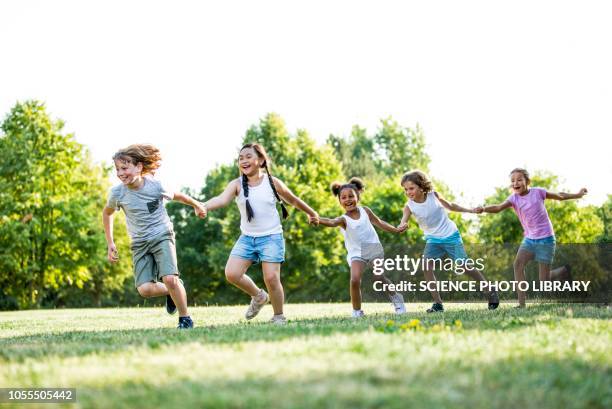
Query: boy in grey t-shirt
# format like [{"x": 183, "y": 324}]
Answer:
[{"x": 152, "y": 237}]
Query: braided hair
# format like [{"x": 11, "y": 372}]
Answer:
[{"x": 261, "y": 153}]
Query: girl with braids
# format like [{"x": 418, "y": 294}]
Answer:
[
  {"x": 361, "y": 241},
  {"x": 151, "y": 232},
  {"x": 256, "y": 193}
]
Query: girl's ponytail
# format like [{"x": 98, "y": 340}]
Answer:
[
  {"x": 245, "y": 189},
  {"x": 283, "y": 208}
]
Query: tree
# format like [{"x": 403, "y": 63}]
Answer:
[{"x": 50, "y": 206}]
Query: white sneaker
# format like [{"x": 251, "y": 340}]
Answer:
[
  {"x": 278, "y": 319},
  {"x": 398, "y": 303},
  {"x": 256, "y": 305},
  {"x": 358, "y": 314}
]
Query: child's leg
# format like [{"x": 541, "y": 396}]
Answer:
[
  {"x": 271, "y": 275},
  {"x": 544, "y": 271},
  {"x": 560, "y": 273},
  {"x": 430, "y": 276},
  {"x": 357, "y": 268},
  {"x": 520, "y": 261},
  {"x": 177, "y": 292},
  {"x": 383, "y": 279},
  {"x": 235, "y": 270},
  {"x": 152, "y": 289}
]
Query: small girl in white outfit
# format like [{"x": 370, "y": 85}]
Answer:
[{"x": 361, "y": 241}]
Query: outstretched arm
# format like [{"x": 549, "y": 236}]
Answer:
[
  {"x": 287, "y": 195},
  {"x": 199, "y": 208},
  {"x": 376, "y": 221},
  {"x": 566, "y": 196},
  {"x": 225, "y": 198},
  {"x": 453, "y": 207},
  {"x": 493, "y": 208},
  {"x": 337, "y": 222}
]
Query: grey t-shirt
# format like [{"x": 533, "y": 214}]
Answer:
[{"x": 144, "y": 208}]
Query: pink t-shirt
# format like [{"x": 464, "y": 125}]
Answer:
[{"x": 532, "y": 213}]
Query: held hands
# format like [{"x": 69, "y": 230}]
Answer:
[
  {"x": 313, "y": 219},
  {"x": 200, "y": 210},
  {"x": 477, "y": 210},
  {"x": 113, "y": 254},
  {"x": 402, "y": 227}
]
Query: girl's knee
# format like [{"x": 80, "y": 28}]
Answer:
[
  {"x": 232, "y": 276},
  {"x": 355, "y": 282},
  {"x": 271, "y": 279}
]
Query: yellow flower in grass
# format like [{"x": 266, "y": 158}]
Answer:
[{"x": 458, "y": 324}]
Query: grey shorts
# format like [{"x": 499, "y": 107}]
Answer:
[{"x": 154, "y": 258}]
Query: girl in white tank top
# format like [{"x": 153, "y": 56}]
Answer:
[
  {"x": 361, "y": 241},
  {"x": 442, "y": 236},
  {"x": 257, "y": 193}
]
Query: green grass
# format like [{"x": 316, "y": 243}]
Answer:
[{"x": 547, "y": 356}]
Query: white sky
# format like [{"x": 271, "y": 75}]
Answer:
[{"x": 494, "y": 85}]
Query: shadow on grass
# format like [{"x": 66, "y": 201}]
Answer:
[
  {"x": 534, "y": 383},
  {"x": 80, "y": 343}
]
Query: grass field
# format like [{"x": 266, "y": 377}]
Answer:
[{"x": 547, "y": 356}]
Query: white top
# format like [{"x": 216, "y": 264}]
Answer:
[
  {"x": 360, "y": 238},
  {"x": 265, "y": 219},
  {"x": 432, "y": 217}
]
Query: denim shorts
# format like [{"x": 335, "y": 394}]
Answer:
[
  {"x": 451, "y": 246},
  {"x": 270, "y": 248},
  {"x": 543, "y": 249}
]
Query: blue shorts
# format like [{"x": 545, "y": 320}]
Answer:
[
  {"x": 270, "y": 249},
  {"x": 542, "y": 249},
  {"x": 436, "y": 248}
]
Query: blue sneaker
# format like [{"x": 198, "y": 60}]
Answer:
[{"x": 185, "y": 323}]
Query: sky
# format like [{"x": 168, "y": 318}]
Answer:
[{"x": 494, "y": 85}]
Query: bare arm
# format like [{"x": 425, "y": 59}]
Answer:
[
  {"x": 337, "y": 222},
  {"x": 199, "y": 208},
  {"x": 107, "y": 220},
  {"x": 381, "y": 224},
  {"x": 494, "y": 208},
  {"x": 453, "y": 207},
  {"x": 225, "y": 198},
  {"x": 405, "y": 216},
  {"x": 287, "y": 195},
  {"x": 566, "y": 196}
]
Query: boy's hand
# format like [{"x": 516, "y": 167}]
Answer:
[
  {"x": 313, "y": 219},
  {"x": 402, "y": 227},
  {"x": 113, "y": 254},
  {"x": 583, "y": 192},
  {"x": 200, "y": 210}
]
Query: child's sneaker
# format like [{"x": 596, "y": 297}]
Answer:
[
  {"x": 185, "y": 323},
  {"x": 398, "y": 303},
  {"x": 278, "y": 319},
  {"x": 436, "y": 307},
  {"x": 256, "y": 305},
  {"x": 358, "y": 314},
  {"x": 170, "y": 306},
  {"x": 493, "y": 300}
]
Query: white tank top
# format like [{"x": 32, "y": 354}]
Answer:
[
  {"x": 360, "y": 238},
  {"x": 432, "y": 217},
  {"x": 265, "y": 219}
]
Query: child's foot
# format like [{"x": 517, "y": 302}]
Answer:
[
  {"x": 170, "y": 306},
  {"x": 493, "y": 300},
  {"x": 278, "y": 319},
  {"x": 568, "y": 273},
  {"x": 256, "y": 305},
  {"x": 436, "y": 307},
  {"x": 358, "y": 314},
  {"x": 185, "y": 323},
  {"x": 398, "y": 303}
]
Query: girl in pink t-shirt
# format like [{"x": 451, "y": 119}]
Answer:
[{"x": 539, "y": 241}]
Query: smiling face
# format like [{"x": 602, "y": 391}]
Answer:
[
  {"x": 519, "y": 183},
  {"x": 413, "y": 191},
  {"x": 249, "y": 162},
  {"x": 127, "y": 172},
  {"x": 349, "y": 199}
]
